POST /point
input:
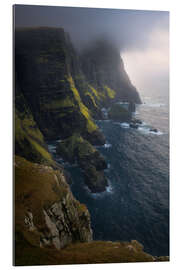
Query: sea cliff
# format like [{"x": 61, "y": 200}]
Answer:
[{"x": 59, "y": 94}]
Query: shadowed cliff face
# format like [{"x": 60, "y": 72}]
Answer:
[
  {"x": 58, "y": 94},
  {"x": 65, "y": 93},
  {"x": 46, "y": 66},
  {"x": 29, "y": 141},
  {"x": 103, "y": 67}
]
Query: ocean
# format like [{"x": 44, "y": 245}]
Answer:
[{"x": 136, "y": 203}]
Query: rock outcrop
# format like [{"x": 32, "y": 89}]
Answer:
[
  {"x": 46, "y": 213},
  {"x": 118, "y": 113},
  {"x": 76, "y": 149}
]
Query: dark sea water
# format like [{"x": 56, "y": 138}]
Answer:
[{"x": 136, "y": 203}]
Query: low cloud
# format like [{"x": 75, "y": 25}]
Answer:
[{"x": 149, "y": 68}]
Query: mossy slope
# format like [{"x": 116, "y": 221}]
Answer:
[
  {"x": 46, "y": 213},
  {"x": 29, "y": 141},
  {"x": 85, "y": 253}
]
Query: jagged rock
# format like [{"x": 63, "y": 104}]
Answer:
[
  {"x": 132, "y": 125},
  {"x": 132, "y": 107},
  {"x": 75, "y": 148},
  {"x": 96, "y": 137},
  {"x": 46, "y": 212},
  {"x": 154, "y": 130},
  {"x": 136, "y": 121},
  {"x": 94, "y": 179}
]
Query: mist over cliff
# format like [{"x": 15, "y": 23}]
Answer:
[
  {"x": 69, "y": 70},
  {"x": 141, "y": 36}
]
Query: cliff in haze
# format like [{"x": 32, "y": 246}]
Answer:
[
  {"x": 59, "y": 95},
  {"x": 65, "y": 92},
  {"x": 104, "y": 69}
]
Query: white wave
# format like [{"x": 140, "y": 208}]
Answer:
[
  {"x": 107, "y": 145},
  {"x": 146, "y": 130},
  {"x": 135, "y": 113},
  {"x": 52, "y": 148},
  {"x": 108, "y": 167},
  {"x": 154, "y": 105},
  {"x": 104, "y": 120},
  {"x": 109, "y": 189},
  {"x": 143, "y": 124},
  {"x": 156, "y": 133},
  {"x": 59, "y": 140},
  {"x": 99, "y": 195},
  {"x": 124, "y": 125}
]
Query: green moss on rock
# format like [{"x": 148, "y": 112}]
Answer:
[
  {"x": 29, "y": 141},
  {"x": 110, "y": 92},
  {"x": 75, "y": 148},
  {"x": 119, "y": 113},
  {"x": 58, "y": 104},
  {"x": 91, "y": 126}
]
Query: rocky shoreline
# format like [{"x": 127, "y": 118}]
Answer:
[{"x": 60, "y": 94}]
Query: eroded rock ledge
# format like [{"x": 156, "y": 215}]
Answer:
[{"x": 47, "y": 214}]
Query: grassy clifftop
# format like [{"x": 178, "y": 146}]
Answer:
[{"x": 86, "y": 253}]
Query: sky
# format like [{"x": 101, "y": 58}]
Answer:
[{"x": 142, "y": 37}]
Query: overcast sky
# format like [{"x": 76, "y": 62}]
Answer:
[{"x": 142, "y": 36}]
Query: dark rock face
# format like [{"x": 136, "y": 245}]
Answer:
[
  {"x": 65, "y": 92},
  {"x": 43, "y": 60},
  {"x": 132, "y": 125},
  {"x": 95, "y": 180},
  {"x": 136, "y": 121},
  {"x": 119, "y": 113},
  {"x": 29, "y": 141},
  {"x": 103, "y": 66},
  {"x": 76, "y": 149},
  {"x": 154, "y": 130},
  {"x": 49, "y": 75}
]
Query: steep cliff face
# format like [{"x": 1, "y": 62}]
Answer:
[
  {"x": 65, "y": 92},
  {"x": 48, "y": 73},
  {"x": 58, "y": 95},
  {"x": 29, "y": 141},
  {"x": 47, "y": 66},
  {"x": 104, "y": 69},
  {"x": 46, "y": 213}
]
